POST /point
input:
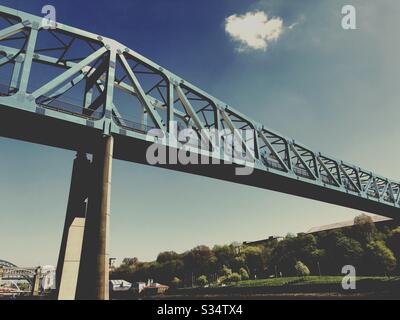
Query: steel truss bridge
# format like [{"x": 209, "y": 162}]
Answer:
[
  {"x": 12, "y": 272},
  {"x": 70, "y": 88}
]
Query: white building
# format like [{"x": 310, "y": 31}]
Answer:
[
  {"x": 120, "y": 285},
  {"x": 48, "y": 280}
]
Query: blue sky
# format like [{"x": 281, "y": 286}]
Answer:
[{"x": 336, "y": 91}]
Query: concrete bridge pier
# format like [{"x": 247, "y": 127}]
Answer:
[
  {"x": 83, "y": 269},
  {"x": 93, "y": 280},
  {"x": 36, "y": 282},
  {"x": 71, "y": 244}
]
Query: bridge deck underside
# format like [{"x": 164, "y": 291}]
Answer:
[{"x": 30, "y": 127}]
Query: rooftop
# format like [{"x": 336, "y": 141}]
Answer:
[{"x": 345, "y": 224}]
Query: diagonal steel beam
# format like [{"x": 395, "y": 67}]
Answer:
[
  {"x": 26, "y": 69},
  {"x": 193, "y": 115},
  {"x": 283, "y": 164},
  {"x": 308, "y": 169},
  {"x": 234, "y": 133},
  {"x": 150, "y": 109},
  {"x": 68, "y": 74},
  {"x": 385, "y": 189},
  {"x": 328, "y": 171},
  {"x": 10, "y": 31},
  {"x": 67, "y": 87},
  {"x": 349, "y": 178},
  {"x": 189, "y": 109}
]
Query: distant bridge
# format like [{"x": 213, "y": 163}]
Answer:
[
  {"x": 77, "y": 90},
  {"x": 12, "y": 272}
]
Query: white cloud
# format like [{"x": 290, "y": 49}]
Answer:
[{"x": 253, "y": 30}]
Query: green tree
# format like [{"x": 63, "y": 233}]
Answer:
[
  {"x": 130, "y": 261},
  {"x": 199, "y": 260},
  {"x": 339, "y": 250},
  {"x": 167, "y": 256},
  {"x": 301, "y": 269},
  {"x": 244, "y": 274},
  {"x": 239, "y": 262},
  {"x": 348, "y": 250},
  {"x": 202, "y": 281},
  {"x": 167, "y": 270},
  {"x": 364, "y": 228},
  {"x": 225, "y": 256},
  {"x": 127, "y": 268},
  {"x": 292, "y": 249},
  {"x": 254, "y": 259},
  {"x": 381, "y": 259},
  {"x": 393, "y": 242}
]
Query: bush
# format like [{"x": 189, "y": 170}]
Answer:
[
  {"x": 176, "y": 282},
  {"x": 244, "y": 275},
  {"x": 393, "y": 243},
  {"x": 221, "y": 279},
  {"x": 226, "y": 271},
  {"x": 381, "y": 258},
  {"x": 202, "y": 281},
  {"x": 233, "y": 278},
  {"x": 301, "y": 269}
]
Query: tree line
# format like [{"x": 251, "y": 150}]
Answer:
[{"x": 372, "y": 251}]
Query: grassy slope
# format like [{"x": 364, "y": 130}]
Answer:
[
  {"x": 311, "y": 286},
  {"x": 305, "y": 281}
]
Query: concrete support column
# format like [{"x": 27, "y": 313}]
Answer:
[
  {"x": 93, "y": 282},
  {"x": 103, "y": 255},
  {"x": 71, "y": 243},
  {"x": 36, "y": 283}
]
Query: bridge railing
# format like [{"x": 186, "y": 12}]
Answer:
[
  {"x": 6, "y": 90},
  {"x": 67, "y": 107},
  {"x": 132, "y": 125}
]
